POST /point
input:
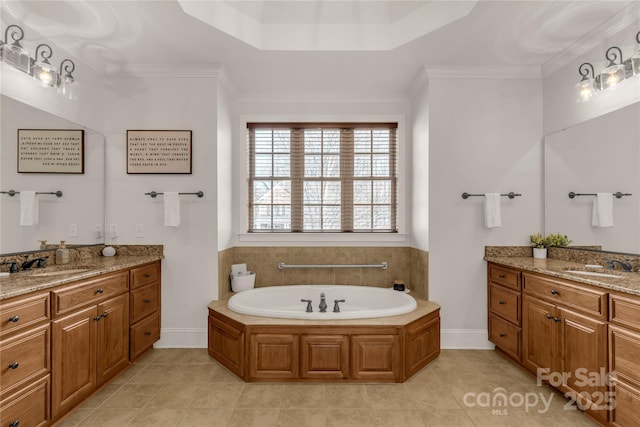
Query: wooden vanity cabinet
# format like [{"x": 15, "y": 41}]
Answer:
[
  {"x": 565, "y": 331},
  {"x": 91, "y": 343},
  {"x": 144, "y": 308},
  {"x": 25, "y": 363},
  {"x": 624, "y": 358},
  {"x": 505, "y": 308}
]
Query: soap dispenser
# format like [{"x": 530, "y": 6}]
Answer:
[{"x": 62, "y": 253}]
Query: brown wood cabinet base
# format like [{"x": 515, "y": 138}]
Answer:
[{"x": 332, "y": 353}]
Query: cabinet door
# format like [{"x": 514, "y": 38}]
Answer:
[
  {"x": 539, "y": 334},
  {"x": 376, "y": 358},
  {"x": 583, "y": 357},
  {"x": 324, "y": 356},
  {"x": 113, "y": 337},
  {"x": 273, "y": 356},
  {"x": 74, "y": 359}
]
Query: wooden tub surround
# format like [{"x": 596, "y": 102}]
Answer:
[{"x": 385, "y": 349}]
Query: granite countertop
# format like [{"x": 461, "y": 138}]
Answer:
[
  {"x": 423, "y": 308},
  {"x": 29, "y": 281},
  {"x": 628, "y": 282}
]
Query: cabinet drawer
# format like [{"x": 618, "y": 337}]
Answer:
[
  {"x": 504, "y": 303},
  {"x": 624, "y": 311},
  {"x": 504, "y": 276},
  {"x": 18, "y": 314},
  {"x": 627, "y": 410},
  {"x": 143, "y": 335},
  {"x": 589, "y": 301},
  {"x": 29, "y": 407},
  {"x": 23, "y": 358},
  {"x": 144, "y": 301},
  {"x": 505, "y": 336},
  {"x": 89, "y": 292},
  {"x": 145, "y": 274}
]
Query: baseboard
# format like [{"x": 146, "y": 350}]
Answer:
[
  {"x": 476, "y": 339},
  {"x": 182, "y": 338}
]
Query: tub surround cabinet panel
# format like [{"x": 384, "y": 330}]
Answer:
[
  {"x": 339, "y": 353},
  {"x": 624, "y": 358},
  {"x": 25, "y": 362},
  {"x": 505, "y": 309},
  {"x": 58, "y": 347}
]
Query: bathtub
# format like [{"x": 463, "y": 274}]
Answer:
[{"x": 284, "y": 301}]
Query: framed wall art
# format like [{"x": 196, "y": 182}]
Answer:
[
  {"x": 51, "y": 151},
  {"x": 159, "y": 151}
]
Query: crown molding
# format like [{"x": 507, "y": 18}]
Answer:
[
  {"x": 483, "y": 72},
  {"x": 417, "y": 83},
  {"x": 167, "y": 70},
  {"x": 595, "y": 37}
]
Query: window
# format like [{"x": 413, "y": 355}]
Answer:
[{"x": 322, "y": 177}]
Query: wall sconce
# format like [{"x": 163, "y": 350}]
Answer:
[
  {"x": 616, "y": 72},
  {"x": 40, "y": 68}
]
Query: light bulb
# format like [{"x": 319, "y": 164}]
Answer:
[
  {"x": 612, "y": 78},
  {"x": 584, "y": 90}
]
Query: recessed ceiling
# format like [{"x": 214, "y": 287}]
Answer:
[{"x": 327, "y": 25}]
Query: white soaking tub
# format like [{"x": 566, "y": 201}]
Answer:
[{"x": 284, "y": 301}]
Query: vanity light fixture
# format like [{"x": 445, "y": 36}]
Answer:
[
  {"x": 40, "y": 68},
  {"x": 616, "y": 72}
]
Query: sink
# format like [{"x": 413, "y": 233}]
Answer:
[
  {"x": 594, "y": 273},
  {"x": 59, "y": 272}
]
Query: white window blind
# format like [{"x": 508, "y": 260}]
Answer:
[{"x": 322, "y": 177}]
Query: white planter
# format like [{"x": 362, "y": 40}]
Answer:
[{"x": 539, "y": 252}]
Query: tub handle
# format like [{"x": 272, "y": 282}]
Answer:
[
  {"x": 336, "y": 307},
  {"x": 309, "y": 307}
]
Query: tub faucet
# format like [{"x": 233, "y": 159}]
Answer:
[
  {"x": 323, "y": 303},
  {"x": 309, "y": 308},
  {"x": 336, "y": 307}
]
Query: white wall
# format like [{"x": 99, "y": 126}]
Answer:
[
  {"x": 419, "y": 189},
  {"x": 485, "y": 135},
  {"x": 225, "y": 167},
  {"x": 189, "y": 269}
]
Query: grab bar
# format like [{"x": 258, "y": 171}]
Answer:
[
  {"x": 12, "y": 193},
  {"x": 617, "y": 195},
  {"x": 383, "y": 265}
]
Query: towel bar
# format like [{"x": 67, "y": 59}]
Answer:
[
  {"x": 383, "y": 265},
  {"x": 154, "y": 194},
  {"x": 617, "y": 195},
  {"x": 510, "y": 195},
  {"x": 12, "y": 193}
]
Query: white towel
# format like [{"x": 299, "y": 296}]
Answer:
[
  {"x": 29, "y": 208},
  {"x": 492, "y": 217},
  {"x": 602, "y": 212},
  {"x": 171, "y": 209}
]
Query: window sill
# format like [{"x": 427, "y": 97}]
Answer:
[{"x": 321, "y": 239}]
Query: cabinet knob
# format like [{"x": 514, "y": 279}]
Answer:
[
  {"x": 147, "y": 300},
  {"x": 105, "y": 314},
  {"x": 556, "y": 319},
  {"x": 549, "y": 316},
  {"x": 147, "y": 275},
  {"x": 99, "y": 291},
  {"x": 148, "y": 333},
  {"x": 14, "y": 365},
  {"x": 96, "y": 318},
  {"x": 554, "y": 292},
  {"x": 15, "y": 423},
  {"x": 502, "y": 276},
  {"x": 501, "y": 302},
  {"x": 502, "y": 335},
  {"x": 14, "y": 319}
]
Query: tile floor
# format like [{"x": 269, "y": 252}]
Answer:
[{"x": 185, "y": 387}]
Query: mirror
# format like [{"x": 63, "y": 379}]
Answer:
[
  {"x": 83, "y": 200},
  {"x": 599, "y": 155}
]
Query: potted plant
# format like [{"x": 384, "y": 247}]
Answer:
[{"x": 540, "y": 243}]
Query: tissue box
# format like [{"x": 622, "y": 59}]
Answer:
[{"x": 243, "y": 282}]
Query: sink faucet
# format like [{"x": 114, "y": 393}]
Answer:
[
  {"x": 625, "y": 265},
  {"x": 323, "y": 303},
  {"x": 28, "y": 263}
]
